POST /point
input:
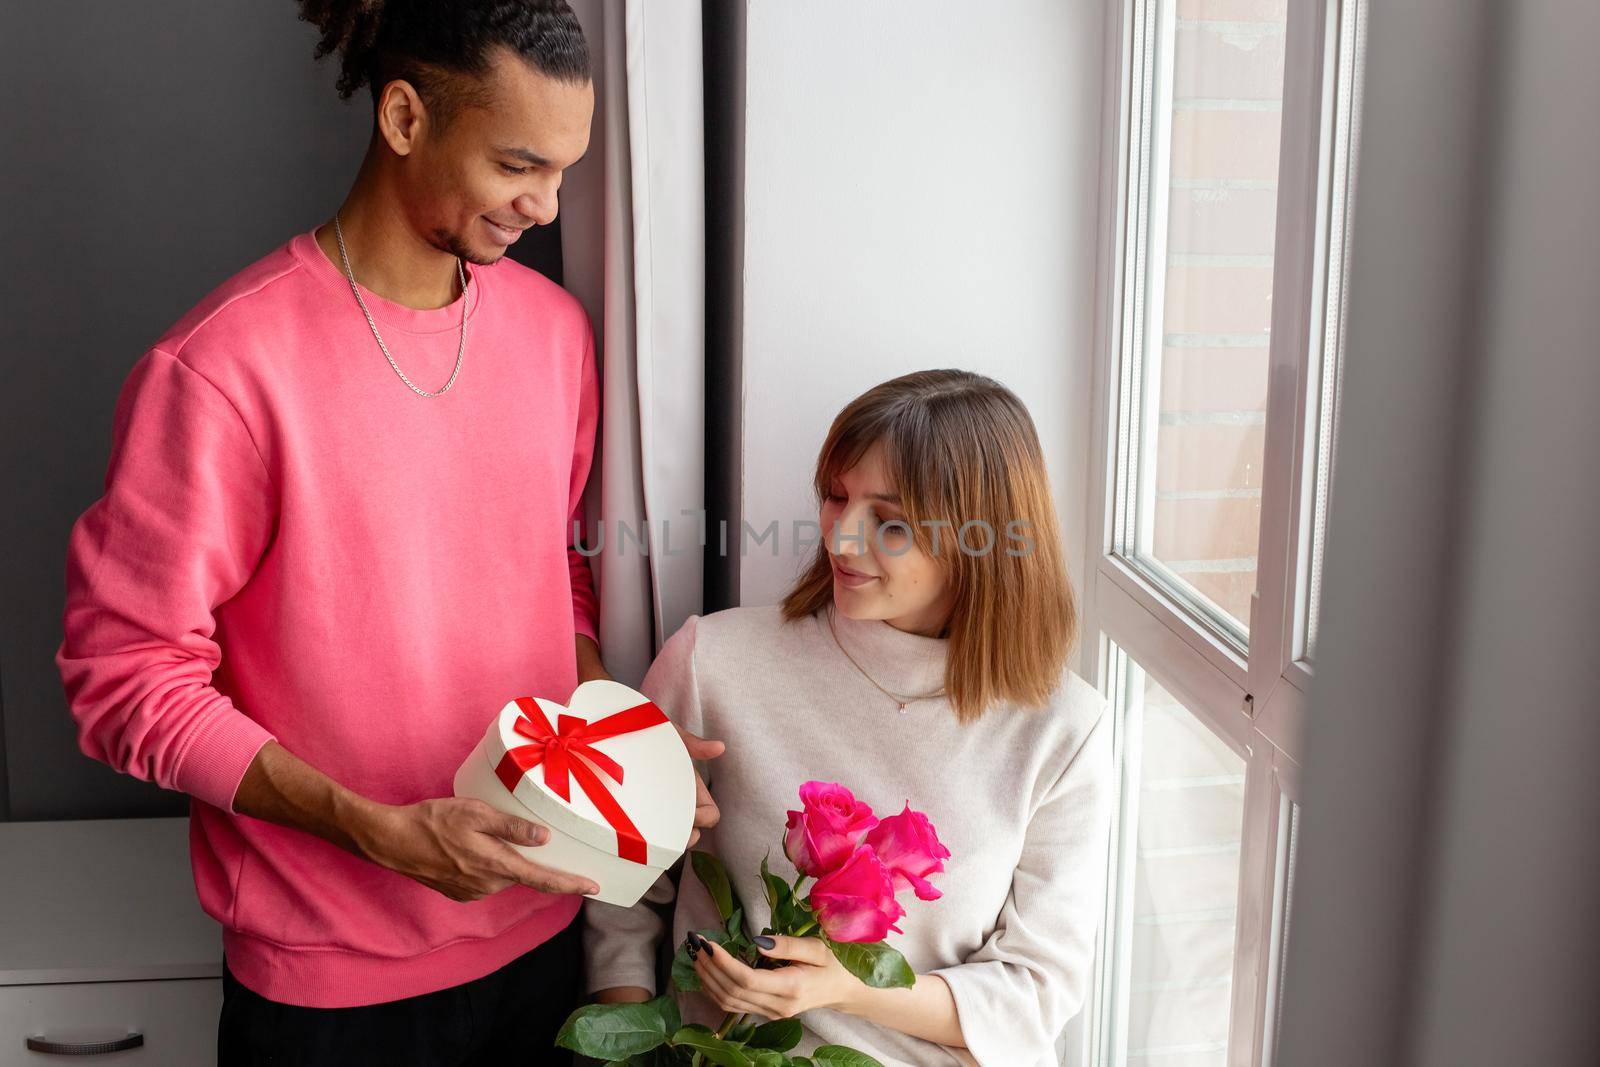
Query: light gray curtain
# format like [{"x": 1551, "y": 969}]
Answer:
[
  {"x": 633, "y": 251},
  {"x": 1445, "y": 903}
]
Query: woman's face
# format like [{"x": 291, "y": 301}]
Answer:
[{"x": 878, "y": 571}]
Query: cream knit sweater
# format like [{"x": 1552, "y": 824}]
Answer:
[{"x": 1022, "y": 799}]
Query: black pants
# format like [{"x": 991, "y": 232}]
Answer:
[{"x": 508, "y": 1017}]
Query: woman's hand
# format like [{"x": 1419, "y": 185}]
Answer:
[
  {"x": 590, "y": 667},
  {"x": 814, "y": 978},
  {"x": 705, "y": 809}
]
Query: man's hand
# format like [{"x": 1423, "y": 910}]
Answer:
[
  {"x": 459, "y": 847},
  {"x": 456, "y": 845},
  {"x": 705, "y": 809}
]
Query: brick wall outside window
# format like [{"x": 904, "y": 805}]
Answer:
[{"x": 1227, "y": 93}]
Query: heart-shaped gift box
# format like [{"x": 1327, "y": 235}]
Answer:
[{"x": 607, "y": 774}]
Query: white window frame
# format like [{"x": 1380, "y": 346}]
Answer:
[{"x": 1255, "y": 699}]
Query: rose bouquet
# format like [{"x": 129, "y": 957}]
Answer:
[{"x": 856, "y": 863}]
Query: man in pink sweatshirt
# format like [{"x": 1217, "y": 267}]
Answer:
[{"x": 335, "y": 539}]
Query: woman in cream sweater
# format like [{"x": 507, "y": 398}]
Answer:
[{"x": 922, "y": 657}]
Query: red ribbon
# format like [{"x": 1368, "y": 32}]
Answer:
[{"x": 566, "y": 751}]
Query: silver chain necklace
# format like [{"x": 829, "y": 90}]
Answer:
[
  {"x": 461, "y": 347},
  {"x": 903, "y": 701}
]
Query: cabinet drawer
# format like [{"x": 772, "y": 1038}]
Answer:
[{"x": 177, "y": 1018}]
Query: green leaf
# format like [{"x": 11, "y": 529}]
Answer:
[
  {"x": 777, "y": 889},
  {"x": 780, "y": 1034},
  {"x": 797, "y": 1061},
  {"x": 735, "y": 924},
  {"x": 789, "y": 913},
  {"x": 780, "y": 898},
  {"x": 614, "y": 1031},
  {"x": 683, "y": 975},
  {"x": 667, "y": 1008},
  {"x": 740, "y": 1035},
  {"x": 839, "y": 1056},
  {"x": 767, "y": 1058},
  {"x": 875, "y": 963},
  {"x": 714, "y": 876},
  {"x": 713, "y": 1048},
  {"x": 793, "y": 917}
]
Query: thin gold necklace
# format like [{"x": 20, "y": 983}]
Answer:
[
  {"x": 903, "y": 701},
  {"x": 461, "y": 345}
]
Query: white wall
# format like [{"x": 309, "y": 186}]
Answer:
[{"x": 920, "y": 190}]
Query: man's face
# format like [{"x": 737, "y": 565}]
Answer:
[{"x": 494, "y": 170}]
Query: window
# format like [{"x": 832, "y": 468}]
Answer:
[
  {"x": 1221, "y": 324},
  {"x": 1202, "y": 309},
  {"x": 1175, "y": 918},
  {"x": 1329, "y": 292}
]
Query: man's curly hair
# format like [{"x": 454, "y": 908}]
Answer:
[{"x": 442, "y": 47}]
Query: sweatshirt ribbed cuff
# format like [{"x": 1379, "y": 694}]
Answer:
[{"x": 214, "y": 762}]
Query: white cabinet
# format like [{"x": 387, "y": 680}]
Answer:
[
  {"x": 102, "y": 938},
  {"x": 175, "y": 1022}
]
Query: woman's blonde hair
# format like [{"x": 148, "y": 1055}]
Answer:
[{"x": 963, "y": 454}]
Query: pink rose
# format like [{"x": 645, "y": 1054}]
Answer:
[
  {"x": 822, "y": 835},
  {"x": 856, "y": 901},
  {"x": 910, "y": 848}
]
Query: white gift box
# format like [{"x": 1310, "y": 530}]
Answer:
[{"x": 619, "y": 805}]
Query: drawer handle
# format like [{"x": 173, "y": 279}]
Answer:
[{"x": 84, "y": 1048}]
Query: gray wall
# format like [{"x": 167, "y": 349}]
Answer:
[{"x": 150, "y": 151}]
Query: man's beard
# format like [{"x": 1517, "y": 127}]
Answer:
[{"x": 446, "y": 241}]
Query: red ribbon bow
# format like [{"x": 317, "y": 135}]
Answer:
[{"x": 566, "y": 752}]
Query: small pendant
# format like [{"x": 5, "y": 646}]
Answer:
[{"x": 902, "y": 709}]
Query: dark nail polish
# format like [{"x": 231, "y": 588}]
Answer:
[{"x": 765, "y": 942}]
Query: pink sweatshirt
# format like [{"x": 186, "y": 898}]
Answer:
[{"x": 294, "y": 545}]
